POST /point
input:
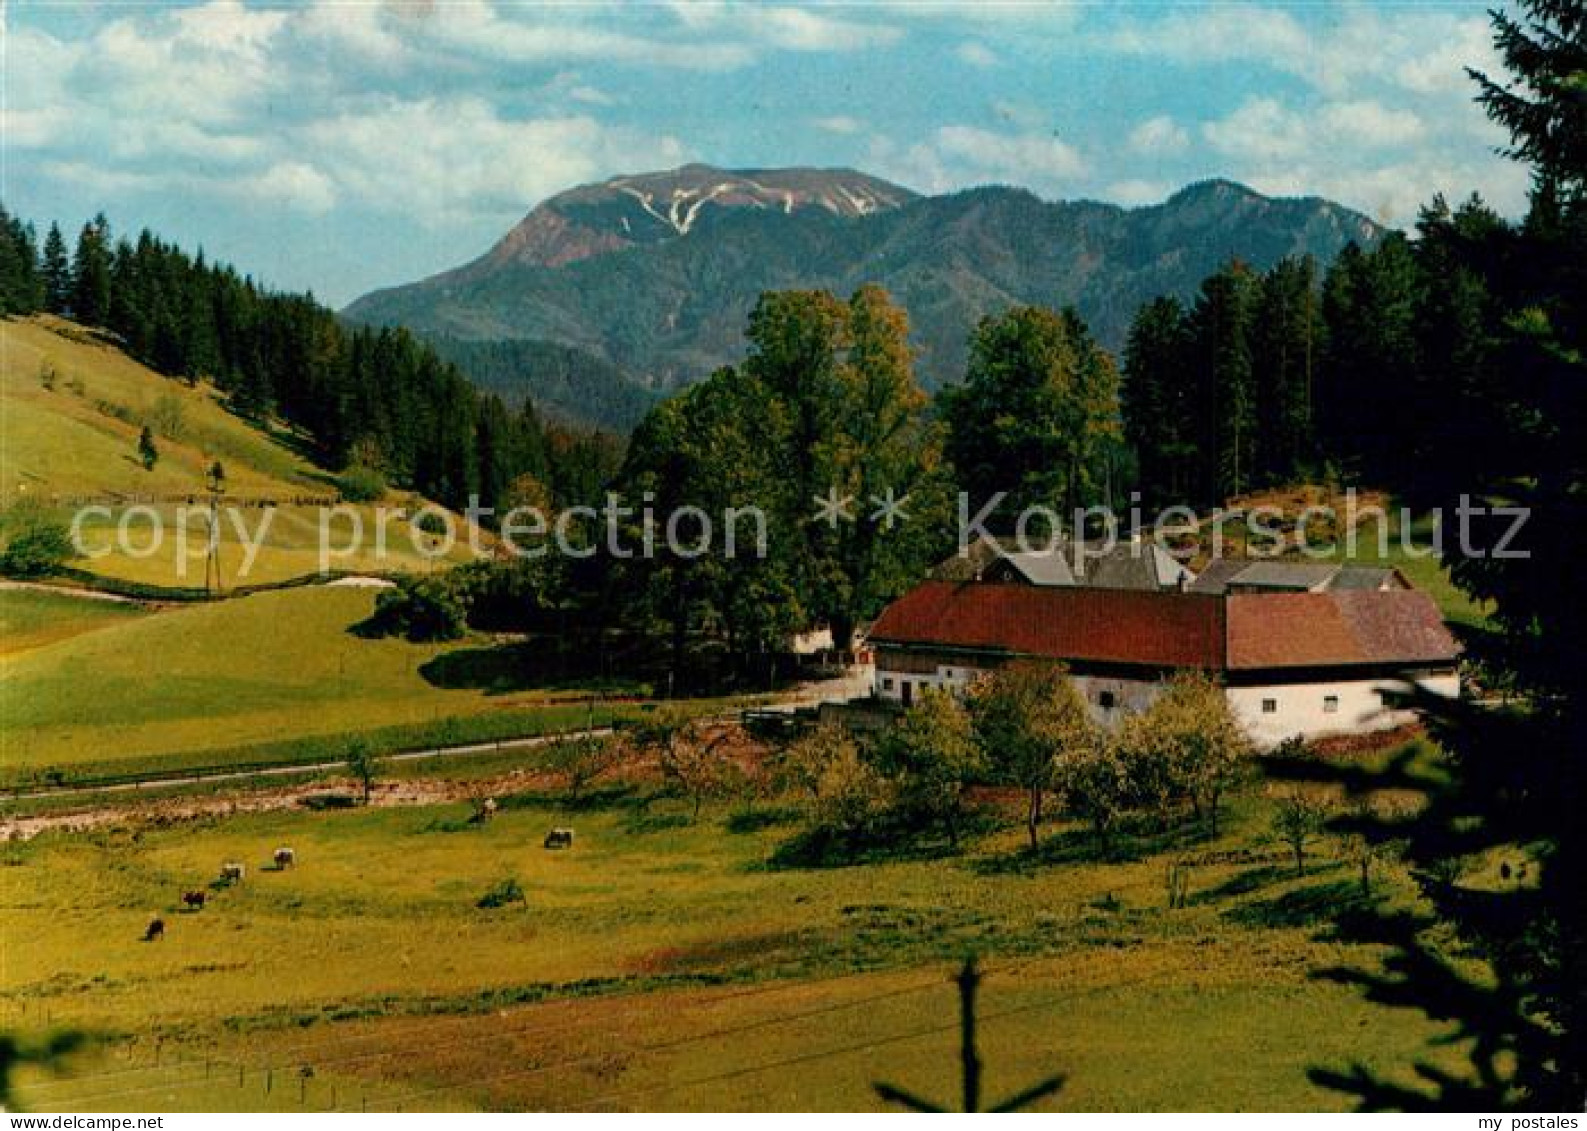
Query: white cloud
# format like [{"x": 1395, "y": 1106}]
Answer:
[
  {"x": 784, "y": 28},
  {"x": 443, "y": 161},
  {"x": 1159, "y": 137},
  {"x": 297, "y": 185},
  {"x": 1138, "y": 192},
  {"x": 1417, "y": 50},
  {"x": 838, "y": 124},
  {"x": 976, "y": 54},
  {"x": 1029, "y": 157},
  {"x": 960, "y": 156},
  {"x": 1269, "y": 130},
  {"x": 1384, "y": 161},
  {"x": 530, "y": 35}
]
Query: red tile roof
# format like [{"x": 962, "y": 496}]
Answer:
[
  {"x": 1169, "y": 629},
  {"x": 1346, "y": 626},
  {"x": 1100, "y": 625}
]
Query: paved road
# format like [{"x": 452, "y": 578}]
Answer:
[{"x": 301, "y": 768}]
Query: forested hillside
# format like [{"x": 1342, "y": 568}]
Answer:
[{"x": 378, "y": 399}]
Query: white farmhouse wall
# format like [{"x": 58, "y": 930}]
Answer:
[
  {"x": 890, "y": 684},
  {"x": 1110, "y": 698},
  {"x": 1274, "y": 712},
  {"x": 1310, "y": 710}
]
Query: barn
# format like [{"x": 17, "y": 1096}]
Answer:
[{"x": 1307, "y": 663}]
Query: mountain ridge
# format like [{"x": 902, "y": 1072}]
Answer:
[{"x": 653, "y": 274}]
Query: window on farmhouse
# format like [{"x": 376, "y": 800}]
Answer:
[
  {"x": 1270, "y": 706},
  {"x": 1330, "y": 704},
  {"x": 887, "y": 684},
  {"x": 1107, "y": 700}
]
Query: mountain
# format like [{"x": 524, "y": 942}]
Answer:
[{"x": 655, "y": 274}]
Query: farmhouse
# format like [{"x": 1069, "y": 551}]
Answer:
[
  {"x": 1294, "y": 663},
  {"x": 1124, "y": 565}
]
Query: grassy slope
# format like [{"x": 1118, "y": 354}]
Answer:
[
  {"x": 63, "y": 443},
  {"x": 371, "y": 963},
  {"x": 268, "y": 667},
  {"x": 31, "y": 619}
]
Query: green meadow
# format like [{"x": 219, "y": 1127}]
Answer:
[
  {"x": 275, "y": 676},
  {"x": 664, "y": 964}
]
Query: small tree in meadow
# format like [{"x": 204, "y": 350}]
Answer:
[
  {"x": 364, "y": 764},
  {"x": 1192, "y": 728},
  {"x": 1028, "y": 717},
  {"x": 688, "y": 757},
  {"x": 1095, "y": 782},
  {"x": 841, "y": 790},
  {"x": 148, "y": 453},
  {"x": 1297, "y": 821},
  {"x": 932, "y": 755},
  {"x": 581, "y": 761}
]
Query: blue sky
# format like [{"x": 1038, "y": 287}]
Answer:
[{"x": 343, "y": 146}]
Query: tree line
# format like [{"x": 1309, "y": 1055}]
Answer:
[
  {"x": 1290, "y": 375},
  {"x": 368, "y": 398}
]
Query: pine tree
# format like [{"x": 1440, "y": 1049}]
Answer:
[
  {"x": 91, "y": 274},
  {"x": 148, "y": 453},
  {"x": 57, "y": 273},
  {"x": 1157, "y": 402},
  {"x": 1221, "y": 332}
]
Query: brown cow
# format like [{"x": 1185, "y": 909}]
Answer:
[
  {"x": 155, "y": 931},
  {"x": 194, "y": 899}
]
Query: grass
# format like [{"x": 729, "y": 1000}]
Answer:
[
  {"x": 78, "y": 442},
  {"x": 275, "y": 676},
  {"x": 32, "y": 619},
  {"x": 661, "y": 964}
]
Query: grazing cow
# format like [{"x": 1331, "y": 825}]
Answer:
[
  {"x": 285, "y": 858},
  {"x": 194, "y": 899},
  {"x": 232, "y": 872},
  {"x": 487, "y": 808},
  {"x": 155, "y": 931},
  {"x": 559, "y": 838}
]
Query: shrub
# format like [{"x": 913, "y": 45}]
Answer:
[
  {"x": 433, "y": 607},
  {"x": 504, "y": 892},
  {"x": 360, "y": 483},
  {"x": 167, "y": 417},
  {"x": 36, "y": 542}
]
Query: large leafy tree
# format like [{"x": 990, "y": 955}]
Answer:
[
  {"x": 842, "y": 375},
  {"x": 1036, "y": 414}
]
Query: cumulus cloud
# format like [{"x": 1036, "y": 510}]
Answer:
[
  {"x": 1159, "y": 137},
  {"x": 959, "y": 156},
  {"x": 439, "y": 161},
  {"x": 1385, "y": 161},
  {"x": 976, "y": 54},
  {"x": 784, "y": 27},
  {"x": 1418, "y": 49},
  {"x": 838, "y": 124}
]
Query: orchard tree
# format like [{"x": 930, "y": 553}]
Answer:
[
  {"x": 1029, "y": 719},
  {"x": 932, "y": 756}
]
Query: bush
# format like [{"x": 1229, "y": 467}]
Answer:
[
  {"x": 167, "y": 417},
  {"x": 504, "y": 892},
  {"x": 434, "y": 607},
  {"x": 361, "y": 484},
  {"x": 36, "y": 542}
]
